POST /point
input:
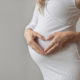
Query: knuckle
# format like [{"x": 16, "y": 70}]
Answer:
[{"x": 35, "y": 33}]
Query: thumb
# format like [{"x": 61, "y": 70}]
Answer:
[
  {"x": 40, "y": 36},
  {"x": 51, "y": 36}
]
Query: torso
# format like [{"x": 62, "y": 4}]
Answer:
[{"x": 59, "y": 15}]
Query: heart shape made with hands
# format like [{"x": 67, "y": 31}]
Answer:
[
  {"x": 59, "y": 41},
  {"x": 48, "y": 38}
]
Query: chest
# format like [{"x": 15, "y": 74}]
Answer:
[{"x": 61, "y": 10}]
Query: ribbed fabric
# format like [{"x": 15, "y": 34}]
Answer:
[
  {"x": 58, "y": 15},
  {"x": 34, "y": 20}
]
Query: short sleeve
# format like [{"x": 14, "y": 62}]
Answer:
[{"x": 34, "y": 20}]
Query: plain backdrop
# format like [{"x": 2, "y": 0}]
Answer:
[{"x": 15, "y": 60}]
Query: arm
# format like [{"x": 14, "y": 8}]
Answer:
[
  {"x": 75, "y": 36},
  {"x": 34, "y": 20}
]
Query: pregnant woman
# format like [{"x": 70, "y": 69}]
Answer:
[{"x": 52, "y": 39}]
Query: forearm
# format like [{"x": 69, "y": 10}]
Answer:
[{"x": 74, "y": 36}]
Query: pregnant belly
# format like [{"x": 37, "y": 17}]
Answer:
[{"x": 69, "y": 52}]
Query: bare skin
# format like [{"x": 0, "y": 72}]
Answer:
[
  {"x": 77, "y": 2},
  {"x": 60, "y": 39},
  {"x": 30, "y": 35}
]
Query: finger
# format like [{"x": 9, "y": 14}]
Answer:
[
  {"x": 36, "y": 50},
  {"x": 57, "y": 49},
  {"x": 49, "y": 46},
  {"x": 41, "y": 37},
  {"x": 37, "y": 47},
  {"x": 51, "y": 36},
  {"x": 53, "y": 49}
]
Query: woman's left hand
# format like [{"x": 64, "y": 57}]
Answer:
[{"x": 60, "y": 40}]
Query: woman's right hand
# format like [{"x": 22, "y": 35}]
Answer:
[{"x": 30, "y": 35}]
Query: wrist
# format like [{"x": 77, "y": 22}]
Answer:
[
  {"x": 76, "y": 37},
  {"x": 73, "y": 36}
]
